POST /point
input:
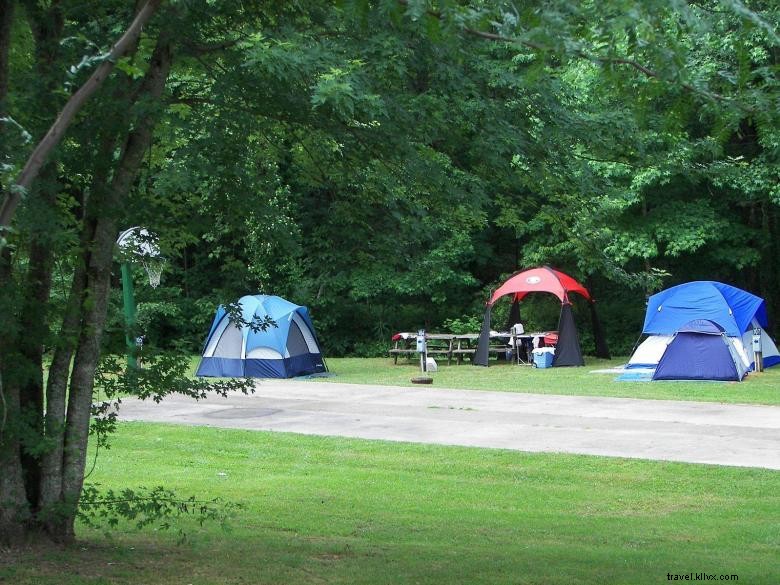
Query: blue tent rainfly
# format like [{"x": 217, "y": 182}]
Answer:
[{"x": 730, "y": 307}]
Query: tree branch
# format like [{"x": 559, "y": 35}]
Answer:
[
  {"x": 579, "y": 53},
  {"x": 75, "y": 103}
]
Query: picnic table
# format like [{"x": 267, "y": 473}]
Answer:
[
  {"x": 437, "y": 344},
  {"x": 516, "y": 347}
]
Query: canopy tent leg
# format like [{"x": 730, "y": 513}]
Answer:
[
  {"x": 567, "y": 351},
  {"x": 482, "y": 354}
]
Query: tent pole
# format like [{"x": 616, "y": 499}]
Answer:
[{"x": 129, "y": 310}]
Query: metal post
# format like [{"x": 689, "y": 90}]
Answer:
[
  {"x": 423, "y": 350},
  {"x": 758, "y": 357},
  {"x": 129, "y": 307}
]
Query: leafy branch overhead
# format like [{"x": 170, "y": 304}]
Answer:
[{"x": 641, "y": 36}]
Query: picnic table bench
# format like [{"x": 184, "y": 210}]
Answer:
[{"x": 458, "y": 346}]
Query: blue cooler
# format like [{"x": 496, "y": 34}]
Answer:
[{"x": 543, "y": 358}]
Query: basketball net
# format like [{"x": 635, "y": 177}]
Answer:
[{"x": 154, "y": 267}]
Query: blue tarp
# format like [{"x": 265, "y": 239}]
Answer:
[{"x": 729, "y": 306}]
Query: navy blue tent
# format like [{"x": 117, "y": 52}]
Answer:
[
  {"x": 700, "y": 350},
  {"x": 239, "y": 350}
]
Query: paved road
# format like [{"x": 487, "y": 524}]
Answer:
[{"x": 697, "y": 432}]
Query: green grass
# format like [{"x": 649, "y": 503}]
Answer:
[
  {"x": 330, "y": 510},
  {"x": 757, "y": 388}
]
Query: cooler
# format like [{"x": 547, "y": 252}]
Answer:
[{"x": 543, "y": 357}]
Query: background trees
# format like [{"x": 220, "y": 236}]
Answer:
[{"x": 384, "y": 163}]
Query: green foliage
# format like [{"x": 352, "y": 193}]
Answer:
[
  {"x": 387, "y": 163},
  {"x": 161, "y": 373},
  {"x": 465, "y": 324},
  {"x": 142, "y": 507}
]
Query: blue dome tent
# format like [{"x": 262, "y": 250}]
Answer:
[
  {"x": 237, "y": 350},
  {"x": 734, "y": 310}
]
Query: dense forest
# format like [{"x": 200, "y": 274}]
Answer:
[{"x": 386, "y": 163}]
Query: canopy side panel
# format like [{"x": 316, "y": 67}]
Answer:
[{"x": 567, "y": 351}]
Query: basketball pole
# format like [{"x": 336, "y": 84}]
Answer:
[{"x": 129, "y": 309}]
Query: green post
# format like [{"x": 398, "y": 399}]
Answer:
[{"x": 129, "y": 304}]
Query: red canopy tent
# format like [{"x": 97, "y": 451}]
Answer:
[
  {"x": 548, "y": 280},
  {"x": 543, "y": 279}
]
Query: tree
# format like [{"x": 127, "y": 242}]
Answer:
[{"x": 43, "y": 453}]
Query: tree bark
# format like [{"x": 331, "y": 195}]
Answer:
[
  {"x": 32, "y": 333},
  {"x": 68, "y": 113},
  {"x": 54, "y": 421},
  {"x": 65, "y": 346},
  {"x": 6, "y": 19},
  {"x": 14, "y": 511},
  {"x": 98, "y": 263}
]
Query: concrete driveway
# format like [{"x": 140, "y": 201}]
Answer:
[{"x": 696, "y": 432}]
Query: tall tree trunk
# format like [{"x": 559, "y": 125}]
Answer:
[
  {"x": 46, "y": 24},
  {"x": 65, "y": 345},
  {"x": 14, "y": 511},
  {"x": 98, "y": 262},
  {"x": 32, "y": 335},
  {"x": 54, "y": 421}
]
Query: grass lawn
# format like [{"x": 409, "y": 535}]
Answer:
[
  {"x": 757, "y": 388},
  {"x": 330, "y": 510}
]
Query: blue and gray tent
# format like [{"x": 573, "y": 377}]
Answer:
[
  {"x": 738, "y": 312},
  {"x": 241, "y": 349}
]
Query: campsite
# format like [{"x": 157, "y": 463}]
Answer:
[{"x": 389, "y": 292}]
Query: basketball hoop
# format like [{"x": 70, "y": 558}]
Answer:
[
  {"x": 137, "y": 244},
  {"x": 154, "y": 268}
]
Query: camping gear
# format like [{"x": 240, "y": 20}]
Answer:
[
  {"x": 737, "y": 311},
  {"x": 701, "y": 350},
  {"x": 549, "y": 280},
  {"x": 285, "y": 349},
  {"x": 543, "y": 357}
]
